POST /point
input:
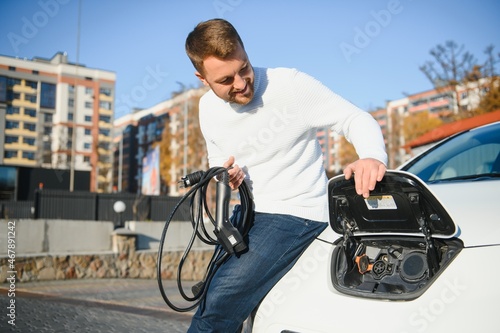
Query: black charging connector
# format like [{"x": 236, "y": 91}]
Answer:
[
  {"x": 229, "y": 237},
  {"x": 191, "y": 179}
]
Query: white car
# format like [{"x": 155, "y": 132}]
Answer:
[{"x": 422, "y": 254}]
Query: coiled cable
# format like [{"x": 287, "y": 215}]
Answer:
[{"x": 199, "y": 182}]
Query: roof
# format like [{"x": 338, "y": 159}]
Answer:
[{"x": 449, "y": 129}]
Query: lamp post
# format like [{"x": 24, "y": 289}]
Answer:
[
  {"x": 119, "y": 208},
  {"x": 185, "y": 115}
]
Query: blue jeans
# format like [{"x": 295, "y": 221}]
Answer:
[{"x": 274, "y": 242}]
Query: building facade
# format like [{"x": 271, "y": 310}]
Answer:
[
  {"x": 444, "y": 103},
  {"x": 59, "y": 115},
  {"x": 137, "y": 133}
]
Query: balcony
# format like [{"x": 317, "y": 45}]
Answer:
[
  {"x": 103, "y": 124},
  {"x": 105, "y": 112},
  {"x": 104, "y": 138},
  {"x": 429, "y": 105}
]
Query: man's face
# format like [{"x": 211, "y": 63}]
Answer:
[{"x": 230, "y": 79}]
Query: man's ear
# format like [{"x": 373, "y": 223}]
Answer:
[{"x": 201, "y": 78}]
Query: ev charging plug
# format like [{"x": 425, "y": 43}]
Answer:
[{"x": 229, "y": 237}]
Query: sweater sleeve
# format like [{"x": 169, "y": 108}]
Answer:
[{"x": 321, "y": 107}]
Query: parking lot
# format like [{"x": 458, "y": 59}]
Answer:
[{"x": 91, "y": 305}]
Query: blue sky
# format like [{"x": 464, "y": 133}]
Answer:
[{"x": 367, "y": 51}]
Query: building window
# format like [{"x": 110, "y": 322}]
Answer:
[
  {"x": 35, "y": 72},
  {"x": 88, "y": 105},
  {"x": 11, "y": 82},
  {"x": 105, "y": 105},
  {"x": 12, "y": 110},
  {"x": 10, "y": 154},
  {"x": 88, "y": 131},
  {"x": 30, "y": 127},
  {"x": 106, "y": 119},
  {"x": 30, "y": 112},
  {"x": 88, "y": 118},
  {"x": 86, "y": 159},
  {"x": 89, "y": 91},
  {"x": 11, "y": 139},
  {"x": 31, "y": 84},
  {"x": 104, "y": 132},
  {"x": 11, "y": 96},
  {"x": 47, "y": 117},
  {"x": 29, "y": 141},
  {"x": 3, "y": 89},
  {"x": 47, "y": 130},
  {"x": 11, "y": 124},
  {"x": 71, "y": 88},
  {"x": 86, "y": 145},
  {"x": 71, "y": 102},
  {"x": 48, "y": 95},
  {"x": 104, "y": 145},
  {"x": 70, "y": 116},
  {"x": 29, "y": 155},
  {"x": 30, "y": 98},
  {"x": 12, "y": 68},
  {"x": 105, "y": 91}
]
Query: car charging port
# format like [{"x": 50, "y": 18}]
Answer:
[{"x": 398, "y": 270}]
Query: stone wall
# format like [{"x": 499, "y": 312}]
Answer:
[{"x": 123, "y": 262}]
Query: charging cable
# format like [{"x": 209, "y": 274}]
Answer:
[{"x": 229, "y": 238}]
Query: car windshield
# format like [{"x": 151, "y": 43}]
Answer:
[{"x": 471, "y": 155}]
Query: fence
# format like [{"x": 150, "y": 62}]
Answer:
[{"x": 56, "y": 204}]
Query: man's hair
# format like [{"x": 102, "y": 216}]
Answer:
[{"x": 216, "y": 37}]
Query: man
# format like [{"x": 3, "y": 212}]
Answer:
[{"x": 262, "y": 123}]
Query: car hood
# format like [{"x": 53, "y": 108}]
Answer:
[{"x": 400, "y": 204}]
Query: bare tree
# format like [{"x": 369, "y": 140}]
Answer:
[
  {"x": 452, "y": 65},
  {"x": 489, "y": 67}
]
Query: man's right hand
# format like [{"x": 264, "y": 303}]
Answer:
[{"x": 236, "y": 175}]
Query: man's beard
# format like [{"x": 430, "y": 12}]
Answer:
[{"x": 245, "y": 98}]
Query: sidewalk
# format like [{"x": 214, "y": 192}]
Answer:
[
  {"x": 95, "y": 305},
  {"x": 140, "y": 293}
]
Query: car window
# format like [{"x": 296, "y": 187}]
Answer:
[
  {"x": 475, "y": 161},
  {"x": 468, "y": 155}
]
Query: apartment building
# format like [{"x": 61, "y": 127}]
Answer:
[
  {"x": 137, "y": 133},
  {"x": 443, "y": 103},
  {"x": 55, "y": 114}
]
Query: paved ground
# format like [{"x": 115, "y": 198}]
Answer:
[{"x": 93, "y": 305}]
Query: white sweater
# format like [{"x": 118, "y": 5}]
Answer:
[{"x": 273, "y": 139}]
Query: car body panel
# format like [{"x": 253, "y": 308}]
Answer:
[
  {"x": 305, "y": 301},
  {"x": 475, "y": 223}
]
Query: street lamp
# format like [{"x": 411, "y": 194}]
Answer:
[
  {"x": 119, "y": 208},
  {"x": 185, "y": 114}
]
